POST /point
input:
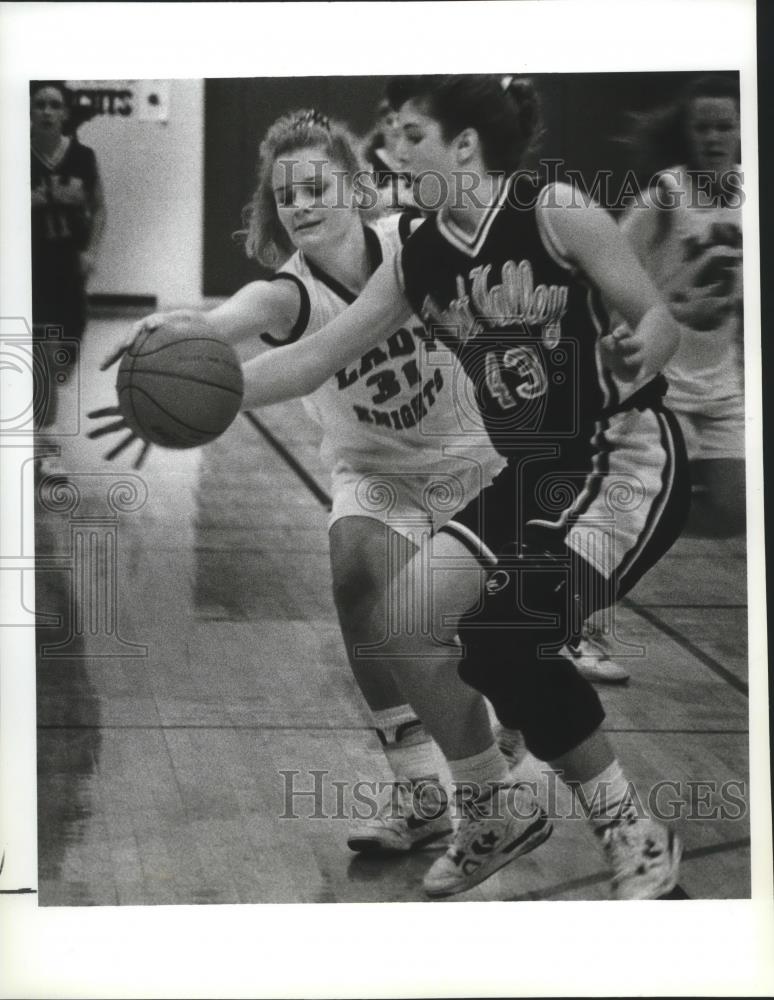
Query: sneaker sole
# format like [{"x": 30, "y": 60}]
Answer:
[
  {"x": 372, "y": 845},
  {"x": 533, "y": 837}
]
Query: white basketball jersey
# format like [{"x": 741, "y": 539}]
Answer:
[
  {"x": 392, "y": 409},
  {"x": 704, "y": 241}
]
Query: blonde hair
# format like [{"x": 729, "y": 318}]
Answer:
[{"x": 265, "y": 238}]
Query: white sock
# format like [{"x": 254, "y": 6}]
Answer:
[
  {"x": 407, "y": 745},
  {"x": 512, "y": 745},
  {"x": 475, "y": 776},
  {"x": 608, "y": 797}
]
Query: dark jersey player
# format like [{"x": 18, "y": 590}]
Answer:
[
  {"x": 529, "y": 327},
  {"x": 67, "y": 222},
  {"x": 595, "y": 488}
]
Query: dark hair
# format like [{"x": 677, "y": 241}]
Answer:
[
  {"x": 658, "y": 138},
  {"x": 504, "y": 111},
  {"x": 36, "y": 85}
]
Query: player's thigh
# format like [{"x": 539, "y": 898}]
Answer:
[{"x": 365, "y": 554}]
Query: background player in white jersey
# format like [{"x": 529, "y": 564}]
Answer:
[
  {"x": 476, "y": 128},
  {"x": 689, "y": 239},
  {"x": 390, "y": 433}
]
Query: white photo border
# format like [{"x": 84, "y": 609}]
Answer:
[{"x": 494, "y": 949}]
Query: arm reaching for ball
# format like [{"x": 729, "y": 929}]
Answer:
[
  {"x": 258, "y": 308},
  {"x": 284, "y": 372},
  {"x": 300, "y": 368}
]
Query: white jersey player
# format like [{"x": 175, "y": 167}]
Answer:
[
  {"x": 688, "y": 236},
  {"x": 403, "y": 459}
]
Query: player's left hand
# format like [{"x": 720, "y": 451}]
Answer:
[
  {"x": 623, "y": 353},
  {"x": 150, "y": 323},
  {"x": 115, "y": 427}
]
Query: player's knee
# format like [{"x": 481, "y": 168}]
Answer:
[
  {"x": 546, "y": 698},
  {"x": 567, "y": 714}
]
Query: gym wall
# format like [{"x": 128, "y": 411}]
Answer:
[{"x": 152, "y": 164}]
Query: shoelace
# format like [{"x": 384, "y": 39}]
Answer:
[{"x": 483, "y": 812}]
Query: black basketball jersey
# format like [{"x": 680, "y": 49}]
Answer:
[
  {"x": 62, "y": 196},
  {"x": 523, "y": 321}
]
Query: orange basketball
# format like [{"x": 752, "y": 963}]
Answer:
[{"x": 179, "y": 390}]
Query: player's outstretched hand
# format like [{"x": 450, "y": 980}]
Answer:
[
  {"x": 187, "y": 321},
  {"x": 115, "y": 427},
  {"x": 146, "y": 324},
  {"x": 624, "y": 353}
]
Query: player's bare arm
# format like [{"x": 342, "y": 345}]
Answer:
[
  {"x": 260, "y": 307},
  {"x": 592, "y": 240},
  {"x": 301, "y": 367}
]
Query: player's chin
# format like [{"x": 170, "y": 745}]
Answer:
[{"x": 627, "y": 372}]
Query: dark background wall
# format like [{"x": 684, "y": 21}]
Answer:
[{"x": 583, "y": 114}]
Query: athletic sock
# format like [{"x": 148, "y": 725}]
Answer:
[
  {"x": 475, "y": 777},
  {"x": 512, "y": 745},
  {"x": 607, "y": 798}
]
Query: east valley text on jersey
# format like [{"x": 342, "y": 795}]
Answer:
[{"x": 522, "y": 319}]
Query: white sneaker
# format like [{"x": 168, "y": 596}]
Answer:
[
  {"x": 489, "y": 835},
  {"x": 401, "y": 823},
  {"x": 643, "y": 857},
  {"x": 594, "y": 663}
]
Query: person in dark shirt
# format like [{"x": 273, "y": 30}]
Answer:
[{"x": 68, "y": 218}]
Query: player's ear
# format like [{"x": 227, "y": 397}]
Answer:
[{"x": 467, "y": 144}]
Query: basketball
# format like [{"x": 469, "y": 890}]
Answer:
[{"x": 178, "y": 390}]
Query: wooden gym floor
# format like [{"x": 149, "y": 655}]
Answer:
[{"x": 164, "y": 731}]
